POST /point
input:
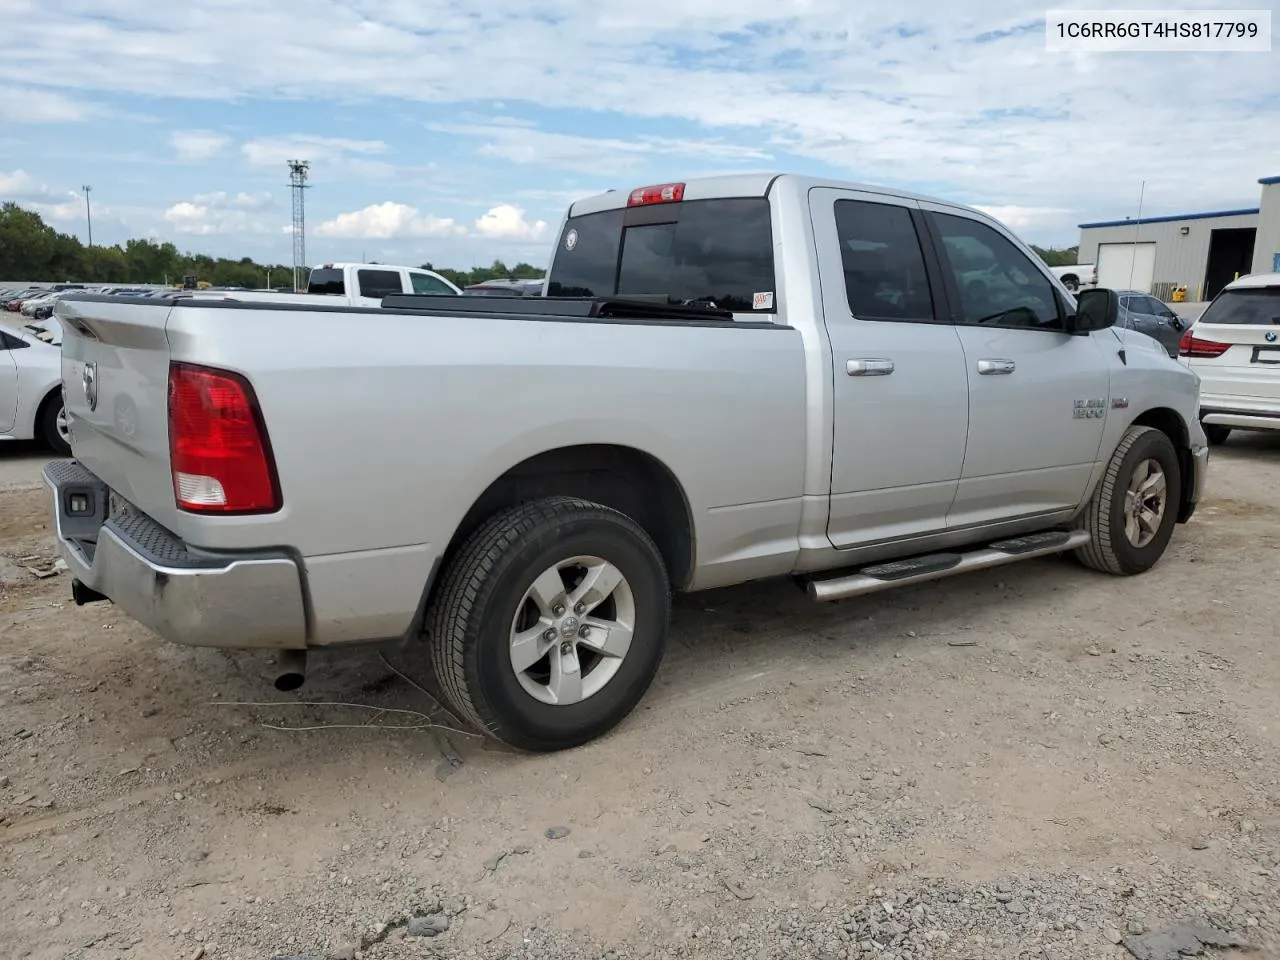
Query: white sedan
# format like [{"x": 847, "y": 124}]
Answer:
[
  {"x": 31, "y": 385},
  {"x": 1235, "y": 348}
]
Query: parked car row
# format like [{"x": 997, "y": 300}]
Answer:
[
  {"x": 15, "y": 299},
  {"x": 38, "y": 301}
]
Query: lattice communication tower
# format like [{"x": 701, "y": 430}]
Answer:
[{"x": 298, "y": 185}]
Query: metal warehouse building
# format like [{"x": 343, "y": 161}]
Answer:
[{"x": 1199, "y": 251}]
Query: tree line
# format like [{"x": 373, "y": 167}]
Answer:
[
  {"x": 1054, "y": 257},
  {"x": 30, "y": 249}
]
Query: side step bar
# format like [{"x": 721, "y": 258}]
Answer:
[{"x": 935, "y": 566}]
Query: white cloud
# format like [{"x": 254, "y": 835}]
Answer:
[
  {"x": 29, "y": 105},
  {"x": 277, "y": 151},
  {"x": 17, "y": 185},
  {"x": 384, "y": 221},
  {"x": 515, "y": 141},
  {"x": 57, "y": 206},
  {"x": 212, "y": 214},
  {"x": 507, "y": 222},
  {"x": 198, "y": 144},
  {"x": 1023, "y": 218},
  {"x": 927, "y": 96}
]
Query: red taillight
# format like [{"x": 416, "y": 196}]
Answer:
[
  {"x": 218, "y": 448},
  {"x": 1190, "y": 346},
  {"x": 662, "y": 193}
]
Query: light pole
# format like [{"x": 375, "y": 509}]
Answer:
[{"x": 88, "y": 213}]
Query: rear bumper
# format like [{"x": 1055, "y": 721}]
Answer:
[{"x": 183, "y": 594}]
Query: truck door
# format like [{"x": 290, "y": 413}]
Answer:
[
  {"x": 1039, "y": 397},
  {"x": 899, "y": 386}
]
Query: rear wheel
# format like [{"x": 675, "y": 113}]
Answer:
[
  {"x": 1216, "y": 433},
  {"x": 550, "y": 623},
  {"x": 53, "y": 426},
  {"x": 1131, "y": 515},
  {"x": 1071, "y": 283}
]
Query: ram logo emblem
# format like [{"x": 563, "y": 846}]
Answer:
[{"x": 1091, "y": 409}]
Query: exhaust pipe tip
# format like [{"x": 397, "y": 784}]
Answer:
[{"x": 291, "y": 670}]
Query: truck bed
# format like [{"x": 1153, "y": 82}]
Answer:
[{"x": 384, "y": 433}]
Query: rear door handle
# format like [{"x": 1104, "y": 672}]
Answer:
[
  {"x": 993, "y": 367},
  {"x": 868, "y": 368}
]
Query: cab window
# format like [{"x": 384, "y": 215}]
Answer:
[
  {"x": 425, "y": 283},
  {"x": 997, "y": 285}
]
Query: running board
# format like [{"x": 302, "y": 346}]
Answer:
[{"x": 934, "y": 566}]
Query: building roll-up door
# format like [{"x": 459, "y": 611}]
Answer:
[{"x": 1127, "y": 266}]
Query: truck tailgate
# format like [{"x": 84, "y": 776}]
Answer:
[{"x": 115, "y": 376}]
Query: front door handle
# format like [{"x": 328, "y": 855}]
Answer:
[
  {"x": 993, "y": 367},
  {"x": 868, "y": 368}
]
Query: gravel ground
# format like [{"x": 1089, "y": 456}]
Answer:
[{"x": 1035, "y": 762}]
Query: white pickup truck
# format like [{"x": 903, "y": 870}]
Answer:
[
  {"x": 1076, "y": 275},
  {"x": 352, "y": 284},
  {"x": 732, "y": 378}
]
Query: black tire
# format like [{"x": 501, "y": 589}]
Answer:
[
  {"x": 1110, "y": 549},
  {"x": 49, "y": 413},
  {"x": 1216, "y": 433},
  {"x": 1071, "y": 283},
  {"x": 469, "y": 626}
]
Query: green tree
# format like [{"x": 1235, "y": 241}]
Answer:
[
  {"x": 27, "y": 245},
  {"x": 30, "y": 249},
  {"x": 1055, "y": 257},
  {"x": 496, "y": 271}
]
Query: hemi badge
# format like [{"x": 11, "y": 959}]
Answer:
[{"x": 1119, "y": 403}]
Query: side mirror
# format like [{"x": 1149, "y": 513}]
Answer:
[{"x": 1096, "y": 309}]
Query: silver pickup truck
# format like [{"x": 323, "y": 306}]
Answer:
[{"x": 728, "y": 379}]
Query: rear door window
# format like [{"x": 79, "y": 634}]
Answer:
[
  {"x": 379, "y": 283},
  {"x": 884, "y": 272},
  {"x": 717, "y": 252},
  {"x": 326, "y": 281},
  {"x": 1257, "y": 306}
]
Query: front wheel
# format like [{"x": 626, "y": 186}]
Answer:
[
  {"x": 1131, "y": 515},
  {"x": 550, "y": 623},
  {"x": 1216, "y": 433}
]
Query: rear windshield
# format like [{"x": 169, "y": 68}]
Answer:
[
  {"x": 718, "y": 252},
  {"x": 326, "y": 281},
  {"x": 1259, "y": 306}
]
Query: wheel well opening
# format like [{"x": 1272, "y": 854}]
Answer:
[
  {"x": 1170, "y": 424},
  {"x": 52, "y": 396},
  {"x": 623, "y": 478}
]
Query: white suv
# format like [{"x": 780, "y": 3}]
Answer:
[{"x": 1235, "y": 348}]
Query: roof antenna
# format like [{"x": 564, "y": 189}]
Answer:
[{"x": 1137, "y": 231}]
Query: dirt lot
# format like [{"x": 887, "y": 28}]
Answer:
[{"x": 1035, "y": 762}]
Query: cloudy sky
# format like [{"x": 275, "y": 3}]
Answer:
[{"x": 456, "y": 131}]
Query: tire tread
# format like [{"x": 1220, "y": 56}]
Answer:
[
  {"x": 1098, "y": 553},
  {"x": 452, "y": 621}
]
